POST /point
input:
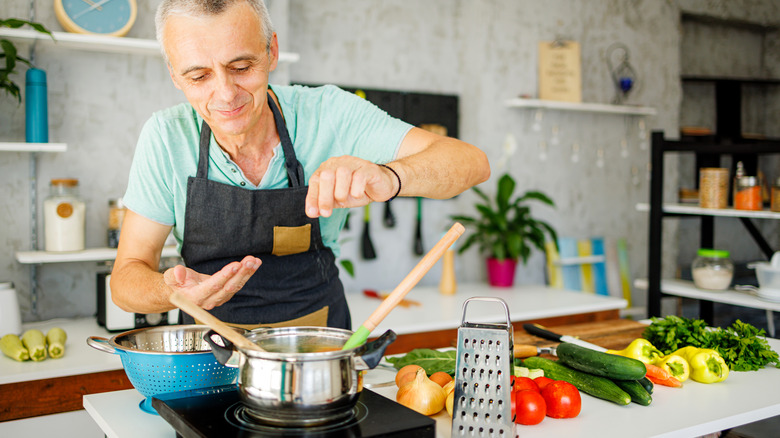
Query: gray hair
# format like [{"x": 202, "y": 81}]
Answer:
[{"x": 208, "y": 7}]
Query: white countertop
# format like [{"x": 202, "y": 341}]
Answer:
[
  {"x": 693, "y": 410},
  {"x": 441, "y": 312},
  {"x": 436, "y": 312}
]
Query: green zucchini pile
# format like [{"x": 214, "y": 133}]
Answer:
[
  {"x": 618, "y": 379},
  {"x": 33, "y": 345}
]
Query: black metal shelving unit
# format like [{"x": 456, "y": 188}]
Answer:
[
  {"x": 727, "y": 140},
  {"x": 713, "y": 148}
]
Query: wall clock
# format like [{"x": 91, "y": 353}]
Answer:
[{"x": 97, "y": 17}]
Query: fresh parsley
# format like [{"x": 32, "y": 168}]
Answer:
[{"x": 742, "y": 346}]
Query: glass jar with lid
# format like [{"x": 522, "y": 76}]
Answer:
[
  {"x": 712, "y": 269},
  {"x": 64, "y": 216}
]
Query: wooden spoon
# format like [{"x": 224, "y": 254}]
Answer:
[
  {"x": 212, "y": 321},
  {"x": 406, "y": 285}
]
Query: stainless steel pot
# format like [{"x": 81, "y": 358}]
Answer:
[{"x": 303, "y": 377}]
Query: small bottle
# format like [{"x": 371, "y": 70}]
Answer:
[
  {"x": 64, "y": 216},
  {"x": 775, "y": 204},
  {"x": 36, "y": 107},
  {"x": 748, "y": 194},
  {"x": 712, "y": 269},
  {"x": 448, "y": 285},
  {"x": 116, "y": 215}
]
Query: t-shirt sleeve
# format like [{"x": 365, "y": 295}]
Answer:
[
  {"x": 149, "y": 192},
  {"x": 365, "y": 130}
]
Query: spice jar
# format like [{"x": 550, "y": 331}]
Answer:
[
  {"x": 775, "y": 204},
  {"x": 713, "y": 187},
  {"x": 64, "y": 215},
  {"x": 748, "y": 194},
  {"x": 116, "y": 214},
  {"x": 712, "y": 269}
]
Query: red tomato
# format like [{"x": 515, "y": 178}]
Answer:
[
  {"x": 522, "y": 383},
  {"x": 530, "y": 406},
  {"x": 562, "y": 399},
  {"x": 542, "y": 381}
]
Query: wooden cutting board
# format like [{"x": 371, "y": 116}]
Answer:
[{"x": 614, "y": 334}]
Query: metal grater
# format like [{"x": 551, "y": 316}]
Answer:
[{"x": 483, "y": 374}]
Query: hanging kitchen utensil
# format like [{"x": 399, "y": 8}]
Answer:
[
  {"x": 403, "y": 288},
  {"x": 212, "y": 321},
  {"x": 483, "y": 377},
  {"x": 418, "y": 245},
  {"x": 389, "y": 218},
  {"x": 367, "y": 246}
]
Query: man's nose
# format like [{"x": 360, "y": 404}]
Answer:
[{"x": 225, "y": 87}]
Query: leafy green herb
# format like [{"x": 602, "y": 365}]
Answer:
[
  {"x": 742, "y": 346},
  {"x": 431, "y": 360}
]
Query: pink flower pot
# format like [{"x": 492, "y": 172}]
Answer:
[{"x": 501, "y": 274}]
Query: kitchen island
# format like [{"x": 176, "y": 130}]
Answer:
[
  {"x": 695, "y": 409},
  {"x": 52, "y": 386}
]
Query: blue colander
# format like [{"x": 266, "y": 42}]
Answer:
[{"x": 164, "y": 359}]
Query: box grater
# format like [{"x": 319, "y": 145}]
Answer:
[{"x": 483, "y": 378}]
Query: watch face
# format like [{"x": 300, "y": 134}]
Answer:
[{"x": 99, "y": 16}]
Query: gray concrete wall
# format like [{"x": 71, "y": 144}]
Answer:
[{"x": 485, "y": 52}]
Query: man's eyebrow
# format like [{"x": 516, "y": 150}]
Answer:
[{"x": 252, "y": 58}]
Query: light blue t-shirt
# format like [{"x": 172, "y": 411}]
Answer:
[{"x": 323, "y": 122}]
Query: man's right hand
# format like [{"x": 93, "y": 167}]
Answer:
[{"x": 210, "y": 291}]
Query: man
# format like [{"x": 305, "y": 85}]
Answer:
[{"x": 256, "y": 241}]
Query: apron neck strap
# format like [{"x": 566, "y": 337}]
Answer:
[{"x": 294, "y": 167}]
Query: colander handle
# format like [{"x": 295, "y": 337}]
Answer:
[{"x": 101, "y": 344}]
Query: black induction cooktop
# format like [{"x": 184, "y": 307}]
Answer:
[{"x": 218, "y": 412}]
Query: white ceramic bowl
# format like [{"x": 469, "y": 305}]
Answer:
[{"x": 768, "y": 281}]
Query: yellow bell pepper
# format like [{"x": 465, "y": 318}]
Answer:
[
  {"x": 707, "y": 366},
  {"x": 640, "y": 349},
  {"x": 676, "y": 365}
]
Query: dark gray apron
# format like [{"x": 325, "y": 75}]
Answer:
[{"x": 223, "y": 223}]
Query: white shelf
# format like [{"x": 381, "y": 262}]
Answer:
[
  {"x": 723, "y": 212},
  {"x": 584, "y": 107},
  {"x": 686, "y": 289},
  {"x": 88, "y": 255},
  {"x": 33, "y": 147},
  {"x": 98, "y": 43}
]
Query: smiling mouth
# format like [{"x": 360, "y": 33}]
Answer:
[{"x": 230, "y": 113}]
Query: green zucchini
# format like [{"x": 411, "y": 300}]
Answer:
[
  {"x": 647, "y": 384},
  {"x": 12, "y": 347},
  {"x": 35, "y": 343},
  {"x": 601, "y": 364},
  {"x": 596, "y": 386},
  {"x": 637, "y": 392},
  {"x": 55, "y": 340}
]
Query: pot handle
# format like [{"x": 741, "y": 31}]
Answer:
[
  {"x": 101, "y": 344},
  {"x": 224, "y": 350},
  {"x": 370, "y": 354}
]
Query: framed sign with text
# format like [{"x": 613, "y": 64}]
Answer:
[{"x": 560, "y": 70}]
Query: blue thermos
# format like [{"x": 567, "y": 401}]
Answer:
[{"x": 36, "y": 107}]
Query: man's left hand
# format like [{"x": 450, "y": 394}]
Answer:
[{"x": 346, "y": 182}]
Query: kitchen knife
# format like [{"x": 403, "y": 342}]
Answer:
[
  {"x": 537, "y": 330},
  {"x": 522, "y": 350}
]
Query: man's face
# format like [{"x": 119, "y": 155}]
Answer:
[{"x": 221, "y": 64}]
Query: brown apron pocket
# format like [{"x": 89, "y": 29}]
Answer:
[{"x": 291, "y": 240}]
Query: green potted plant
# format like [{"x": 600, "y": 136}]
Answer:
[
  {"x": 10, "y": 59},
  {"x": 505, "y": 230}
]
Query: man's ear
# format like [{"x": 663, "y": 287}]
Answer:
[{"x": 274, "y": 53}]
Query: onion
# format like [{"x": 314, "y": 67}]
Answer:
[
  {"x": 422, "y": 394},
  {"x": 406, "y": 374}
]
